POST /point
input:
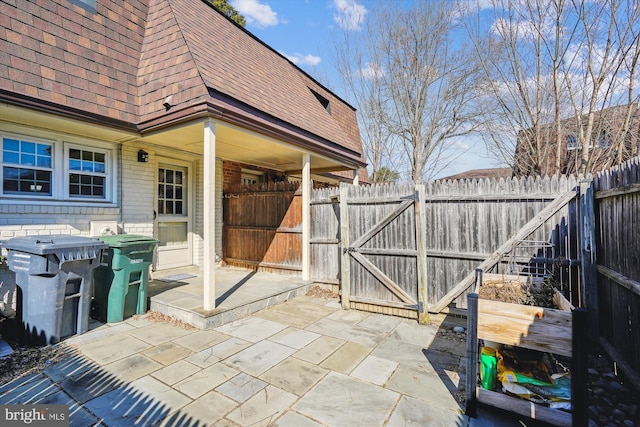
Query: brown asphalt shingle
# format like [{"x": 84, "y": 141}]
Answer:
[{"x": 123, "y": 60}]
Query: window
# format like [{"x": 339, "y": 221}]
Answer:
[
  {"x": 87, "y": 173},
  {"x": 89, "y": 5},
  {"x": 27, "y": 167},
  {"x": 250, "y": 177},
  {"x": 572, "y": 143},
  {"x": 604, "y": 140},
  {"x": 56, "y": 170}
]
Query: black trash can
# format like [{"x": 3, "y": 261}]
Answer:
[{"x": 54, "y": 275}]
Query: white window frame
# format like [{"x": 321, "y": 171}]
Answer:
[{"x": 60, "y": 171}]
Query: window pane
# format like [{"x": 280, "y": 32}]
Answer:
[
  {"x": 87, "y": 166},
  {"x": 169, "y": 176},
  {"x": 87, "y": 156},
  {"x": 160, "y": 206},
  {"x": 178, "y": 177},
  {"x": 161, "y": 175},
  {"x": 11, "y": 157},
  {"x": 75, "y": 165},
  {"x": 11, "y": 145},
  {"x": 169, "y": 192},
  {"x": 28, "y": 147},
  {"x": 178, "y": 208},
  {"x": 27, "y": 181},
  {"x": 74, "y": 154},
  {"x": 179, "y": 193},
  {"x": 44, "y": 162},
  {"x": 28, "y": 160},
  {"x": 169, "y": 209}
]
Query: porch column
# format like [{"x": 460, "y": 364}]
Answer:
[
  {"x": 209, "y": 199},
  {"x": 356, "y": 177},
  {"x": 306, "y": 216}
]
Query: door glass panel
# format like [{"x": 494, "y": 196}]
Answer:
[
  {"x": 172, "y": 233},
  {"x": 172, "y": 191}
]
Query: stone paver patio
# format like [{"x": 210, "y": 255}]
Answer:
[{"x": 304, "y": 362}]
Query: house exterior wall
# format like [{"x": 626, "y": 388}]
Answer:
[{"x": 133, "y": 208}]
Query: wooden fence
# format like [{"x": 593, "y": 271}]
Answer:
[
  {"x": 465, "y": 223},
  {"x": 617, "y": 240},
  {"x": 262, "y": 227}
]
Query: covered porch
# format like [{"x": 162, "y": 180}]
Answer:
[{"x": 238, "y": 293}]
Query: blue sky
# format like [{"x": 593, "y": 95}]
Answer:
[{"x": 301, "y": 30}]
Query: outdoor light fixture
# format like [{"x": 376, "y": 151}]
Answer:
[
  {"x": 143, "y": 156},
  {"x": 167, "y": 102}
]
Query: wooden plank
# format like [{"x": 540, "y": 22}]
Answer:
[
  {"x": 523, "y": 233},
  {"x": 619, "y": 191},
  {"x": 386, "y": 303},
  {"x": 588, "y": 275},
  {"x": 561, "y": 302},
  {"x": 492, "y": 197},
  {"x": 620, "y": 279},
  {"x": 632, "y": 376},
  {"x": 383, "y": 278},
  {"x": 472, "y": 354},
  {"x": 382, "y": 223},
  {"x": 388, "y": 252},
  {"x": 579, "y": 368},
  {"x": 525, "y": 312},
  {"x": 345, "y": 260},
  {"x": 523, "y": 407},
  {"x": 538, "y": 334},
  {"x": 421, "y": 245}
]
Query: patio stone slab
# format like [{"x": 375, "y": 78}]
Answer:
[
  {"x": 102, "y": 331},
  {"x": 348, "y": 316},
  {"x": 292, "y": 419},
  {"x": 28, "y": 389},
  {"x": 143, "y": 402},
  {"x": 412, "y": 412},
  {"x": 301, "y": 314},
  {"x": 133, "y": 367},
  {"x": 294, "y": 337},
  {"x": 346, "y": 358},
  {"x": 167, "y": 353},
  {"x": 175, "y": 372},
  {"x": 375, "y": 370},
  {"x": 112, "y": 348},
  {"x": 205, "y": 410},
  {"x": 339, "y": 400},
  {"x": 83, "y": 379},
  {"x": 403, "y": 353},
  {"x": 346, "y": 332},
  {"x": 214, "y": 354},
  {"x": 78, "y": 416},
  {"x": 251, "y": 329},
  {"x": 424, "y": 386},
  {"x": 319, "y": 349},
  {"x": 263, "y": 408},
  {"x": 380, "y": 322},
  {"x": 200, "y": 340},
  {"x": 241, "y": 387},
  {"x": 160, "y": 332},
  {"x": 294, "y": 375},
  {"x": 259, "y": 357},
  {"x": 205, "y": 380},
  {"x": 414, "y": 333}
]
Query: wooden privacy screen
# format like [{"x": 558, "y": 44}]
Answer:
[{"x": 262, "y": 229}]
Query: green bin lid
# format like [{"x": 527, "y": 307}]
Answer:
[{"x": 125, "y": 240}]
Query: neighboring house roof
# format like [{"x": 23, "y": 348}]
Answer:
[
  {"x": 481, "y": 174},
  {"x": 610, "y": 142},
  {"x": 118, "y": 65}
]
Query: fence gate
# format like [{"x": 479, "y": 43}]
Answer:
[{"x": 383, "y": 263}]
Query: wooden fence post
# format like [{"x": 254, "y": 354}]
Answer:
[
  {"x": 472, "y": 354},
  {"x": 588, "y": 276},
  {"x": 421, "y": 243},
  {"x": 345, "y": 261},
  {"x": 579, "y": 367}
]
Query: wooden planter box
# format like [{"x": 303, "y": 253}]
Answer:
[{"x": 535, "y": 328}]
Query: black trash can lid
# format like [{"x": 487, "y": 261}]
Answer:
[{"x": 44, "y": 245}]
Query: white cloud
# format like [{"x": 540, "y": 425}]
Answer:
[
  {"x": 349, "y": 14},
  {"x": 372, "y": 71},
  {"x": 300, "y": 59},
  {"x": 256, "y": 13}
]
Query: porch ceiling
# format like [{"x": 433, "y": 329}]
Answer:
[
  {"x": 232, "y": 143},
  {"x": 239, "y": 145}
]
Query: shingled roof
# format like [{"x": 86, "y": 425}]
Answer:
[{"x": 119, "y": 63}]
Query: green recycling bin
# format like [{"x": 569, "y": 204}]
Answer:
[{"x": 121, "y": 281}]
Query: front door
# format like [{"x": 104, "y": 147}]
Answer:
[{"x": 173, "y": 216}]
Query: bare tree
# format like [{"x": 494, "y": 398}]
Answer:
[
  {"x": 413, "y": 84},
  {"x": 554, "y": 68}
]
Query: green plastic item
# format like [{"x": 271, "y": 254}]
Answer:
[
  {"x": 488, "y": 368},
  {"x": 121, "y": 281}
]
